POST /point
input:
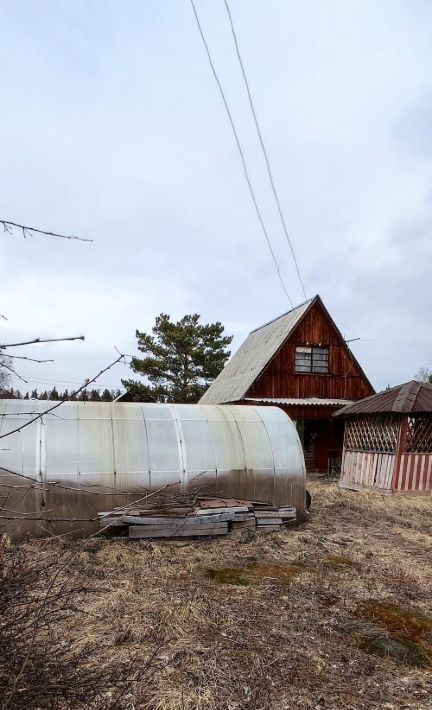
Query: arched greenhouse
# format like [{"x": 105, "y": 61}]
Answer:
[{"x": 89, "y": 457}]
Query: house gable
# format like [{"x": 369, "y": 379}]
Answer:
[
  {"x": 251, "y": 358},
  {"x": 345, "y": 378}
]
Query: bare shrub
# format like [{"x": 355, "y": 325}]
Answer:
[{"x": 43, "y": 664}]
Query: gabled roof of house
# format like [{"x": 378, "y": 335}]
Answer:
[
  {"x": 409, "y": 398},
  {"x": 252, "y": 356}
]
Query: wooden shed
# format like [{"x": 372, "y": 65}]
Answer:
[
  {"x": 300, "y": 362},
  {"x": 388, "y": 441}
]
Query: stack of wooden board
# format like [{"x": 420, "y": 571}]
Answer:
[{"x": 202, "y": 517}]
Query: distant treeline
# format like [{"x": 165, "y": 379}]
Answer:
[{"x": 93, "y": 395}]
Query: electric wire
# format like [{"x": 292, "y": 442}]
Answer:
[
  {"x": 266, "y": 158},
  {"x": 245, "y": 170}
]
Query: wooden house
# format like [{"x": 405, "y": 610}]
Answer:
[
  {"x": 301, "y": 362},
  {"x": 388, "y": 441}
]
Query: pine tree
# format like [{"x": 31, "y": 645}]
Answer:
[
  {"x": 180, "y": 359},
  {"x": 106, "y": 396}
]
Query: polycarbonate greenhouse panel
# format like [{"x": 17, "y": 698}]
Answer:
[{"x": 251, "y": 452}]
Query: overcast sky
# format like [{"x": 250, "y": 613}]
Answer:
[{"x": 112, "y": 128}]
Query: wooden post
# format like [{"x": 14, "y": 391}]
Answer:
[{"x": 403, "y": 429}]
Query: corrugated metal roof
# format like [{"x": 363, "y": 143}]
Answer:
[
  {"x": 411, "y": 397},
  {"x": 252, "y": 357},
  {"x": 300, "y": 402}
]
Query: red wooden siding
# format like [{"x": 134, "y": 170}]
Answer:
[
  {"x": 362, "y": 469},
  {"x": 345, "y": 379},
  {"x": 415, "y": 473}
]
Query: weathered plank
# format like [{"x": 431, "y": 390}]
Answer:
[
  {"x": 198, "y": 520},
  {"x": 268, "y": 521},
  {"x": 148, "y": 531},
  {"x": 243, "y": 516},
  {"x": 262, "y": 514},
  {"x": 189, "y": 525},
  {"x": 288, "y": 510},
  {"x": 222, "y": 502},
  {"x": 113, "y": 522},
  {"x": 268, "y": 528},
  {"x": 234, "y": 509},
  {"x": 243, "y": 524},
  {"x": 162, "y": 513}
]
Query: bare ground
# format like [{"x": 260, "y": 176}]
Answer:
[{"x": 276, "y": 621}]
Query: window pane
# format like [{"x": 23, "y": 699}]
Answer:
[
  {"x": 303, "y": 359},
  {"x": 320, "y": 358}
]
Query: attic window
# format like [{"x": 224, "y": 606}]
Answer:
[{"x": 311, "y": 359}]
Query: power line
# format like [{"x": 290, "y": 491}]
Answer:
[
  {"x": 252, "y": 194},
  {"x": 264, "y": 149}
]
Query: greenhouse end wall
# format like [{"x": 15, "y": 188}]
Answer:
[{"x": 92, "y": 456}]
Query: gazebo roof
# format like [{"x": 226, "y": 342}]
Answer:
[{"x": 409, "y": 398}]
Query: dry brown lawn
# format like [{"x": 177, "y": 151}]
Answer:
[{"x": 273, "y": 622}]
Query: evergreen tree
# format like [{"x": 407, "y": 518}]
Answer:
[
  {"x": 54, "y": 395},
  {"x": 26, "y": 396},
  {"x": 34, "y": 394},
  {"x": 94, "y": 396},
  {"x": 180, "y": 359},
  {"x": 106, "y": 396}
]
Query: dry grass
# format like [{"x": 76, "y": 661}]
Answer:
[{"x": 284, "y": 632}]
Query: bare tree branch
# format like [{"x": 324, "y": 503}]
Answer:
[
  {"x": 41, "y": 340},
  {"x": 28, "y": 231},
  {"x": 37, "y": 485},
  {"x": 8, "y": 367},
  {"x": 23, "y": 357},
  {"x": 18, "y": 512},
  {"x": 119, "y": 508}
]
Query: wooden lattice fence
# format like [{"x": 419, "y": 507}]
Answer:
[
  {"x": 376, "y": 434},
  {"x": 419, "y": 434}
]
